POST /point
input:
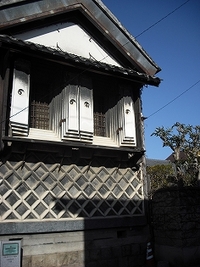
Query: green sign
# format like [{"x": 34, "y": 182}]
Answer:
[{"x": 10, "y": 249}]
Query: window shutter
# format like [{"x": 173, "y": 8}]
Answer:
[
  {"x": 120, "y": 122},
  {"x": 127, "y": 133},
  {"x": 86, "y": 110},
  {"x": 19, "y": 112},
  {"x": 55, "y": 114},
  {"x": 72, "y": 112},
  {"x": 112, "y": 123}
]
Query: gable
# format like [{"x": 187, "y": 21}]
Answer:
[
  {"x": 68, "y": 37},
  {"x": 111, "y": 34}
]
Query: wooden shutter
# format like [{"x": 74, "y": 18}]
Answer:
[
  {"x": 55, "y": 114},
  {"x": 86, "y": 110},
  {"x": 19, "y": 112},
  {"x": 127, "y": 131},
  {"x": 120, "y": 122},
  {"x": 112, "y": 123},
  {"x": 72, "y": 112}
]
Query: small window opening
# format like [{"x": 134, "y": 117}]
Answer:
[
  {"x": 99, "y": 114},
  {"x": 46, "y": 82},
  {"x": 99, "y": 124},
  {"x": 39, "y": 115},
  {"x": 105, "y": 94}
]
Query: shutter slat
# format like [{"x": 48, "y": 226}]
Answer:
[
  {"x": 128, "y": 133},
  {"x": 19, "y": 113},
  {"x": 86, "y": 114},
  {"x": 73, "y": 110}
]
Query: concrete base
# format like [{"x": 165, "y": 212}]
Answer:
[{"x": 117, "y": 247}]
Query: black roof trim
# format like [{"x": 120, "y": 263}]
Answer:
[{"x": 74, "y": 59}]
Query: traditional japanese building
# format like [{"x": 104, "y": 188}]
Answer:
[{"x": 71, "y": 134}]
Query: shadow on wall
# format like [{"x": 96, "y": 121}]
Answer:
[
  {"x": 109, "y": 240},
  {"x": 176, "y": 225}
]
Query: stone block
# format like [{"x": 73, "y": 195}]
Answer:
[
  {"x": 143, "y": 247},
  {"x": 135, "y": 249},
  {"x": 27, "y": 261},
  {"x": 73, "y": 257},
  {"x": 68, "y": 258},
  {"x": 93, "y": 264},
  {"x": 126, "y": 250},
  {"x": 50, "y": 260},
  {"x": 123, "y": 262},
  {"x": 109, "y": 262},
  {"x": 106, "y": 253},
  {"x": 116, "y": 251},
  {"x": 81, "y": 256},
  {"x": 94, "y": 254},
  {"x": 62, "y": 259},
  {"x": 38, "y": 261}
]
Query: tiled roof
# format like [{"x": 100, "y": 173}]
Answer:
[
  {"x": 154, "y": 162},
  {"x": 182, "y": 157},
  {"x": 71, "y": 58}
]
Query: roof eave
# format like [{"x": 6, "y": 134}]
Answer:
[
  {"x": 23, "y": 47},
  {"x": 96, "y": 12}
]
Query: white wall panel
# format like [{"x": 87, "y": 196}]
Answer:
[
  {"x": 19, "y": 111},
  {"x": 70, "y": 38}
]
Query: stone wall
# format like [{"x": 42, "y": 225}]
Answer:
[
  {"x": 109, "y": 248},
  {"x": 176, "y": 225}
]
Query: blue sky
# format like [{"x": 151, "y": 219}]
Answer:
[{"x": 174, "y": 44}]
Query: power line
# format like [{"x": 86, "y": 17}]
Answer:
[
  {"x": 154, "y": 24},
  {"x": 173, "y": 99}
]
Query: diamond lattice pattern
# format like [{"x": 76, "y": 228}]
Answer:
[{"x": 41, "y": 191}]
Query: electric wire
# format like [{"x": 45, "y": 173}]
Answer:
[
  {"x": 173, "y": 100},
  {"x": 154, "y": 24},
  {"x": 123, "y": 46}
]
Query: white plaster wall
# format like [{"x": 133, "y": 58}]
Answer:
[
  {"x": 68, "y": 37},
  {"x": 20, "y": 98}
]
